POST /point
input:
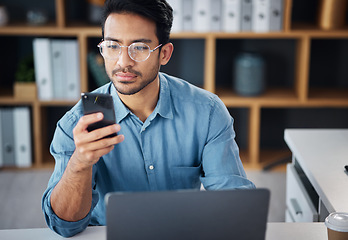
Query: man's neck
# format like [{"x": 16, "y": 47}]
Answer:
[{"x": 143, "y": 103}]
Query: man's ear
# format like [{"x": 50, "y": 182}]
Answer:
[{"x": 166, "y": 53}]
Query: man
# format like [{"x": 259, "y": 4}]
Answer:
[{"x": 170, "y": 134}]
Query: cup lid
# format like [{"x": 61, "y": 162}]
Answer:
[{"x": 337, "y": 221}]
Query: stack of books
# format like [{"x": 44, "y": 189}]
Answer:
[
  {"x": 227, "y": 15},
  {"x": 57, "y": 69}
]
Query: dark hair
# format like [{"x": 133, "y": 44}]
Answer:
[{"x": 157, "y": 10}]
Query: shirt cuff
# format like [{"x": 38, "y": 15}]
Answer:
[{"x": 60, "y": 226}]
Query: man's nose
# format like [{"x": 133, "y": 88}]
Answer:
[{"x": 124, "y": 60}]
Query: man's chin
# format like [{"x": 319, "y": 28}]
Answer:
[
  {"x": 128, "y": 91},
  {"x": 125, "y": 88}
]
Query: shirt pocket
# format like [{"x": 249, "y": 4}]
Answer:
[{"x": 186, "y": 177}]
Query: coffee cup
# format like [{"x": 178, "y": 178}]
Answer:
[{"x": 337, "y": 226}]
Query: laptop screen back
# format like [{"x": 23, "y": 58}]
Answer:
[{"x": 227, "y": 214}]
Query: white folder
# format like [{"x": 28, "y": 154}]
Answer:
[
  {"x": 8, "y": 151},
  {"x": 72, "y": 70},
  {"x": 43, "y": 68},
  {"x": 58, "y": 68},
  {"x": 260, "y": 18},
  {"x": 22, "y": 136},
  {"x": 187, "y": 6},
  {"x": 215, "y": 16},
  {"x": 231, "y": 15},
  {"x": 246, "y": 17},
  {"x": 276, "y": 15},
  {"x": 201, "y": 15},
  {"x": 177, "y": 15}
]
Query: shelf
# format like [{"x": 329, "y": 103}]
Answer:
[
  {"x": 271, "y": 98},
  {"x": 75, "y": 29},
  {"x": 301, "y": 58},
  {"x": 50, "y": 30},
  {"x": 286, "y": 98},
  {"x": 299, "y": 31},
  {"x": 9, "y": 100},
  {"x": 5, "y": 93},
  {"x": 58, "y": 103},
  {"x": 312, "y": 30},
  {"x": 328, "y": 97}
]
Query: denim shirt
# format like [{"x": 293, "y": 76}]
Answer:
[{"x": 188, "y": 140}]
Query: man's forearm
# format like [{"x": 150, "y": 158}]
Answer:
[{"x": 71, "y": 198}]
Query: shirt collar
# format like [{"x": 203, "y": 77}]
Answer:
[
  {"x": 164, "y": 105},
  {"x": 121, "y": 110}
]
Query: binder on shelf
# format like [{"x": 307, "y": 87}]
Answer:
[
  {"x": 246, "y": 17},
  {"x": 72, "y": 70},
  {"x": 22, "y": 136},
  {"x": 276, "y": 15},
  {"x": 187, "y": 6},
  {"x": 260, "y": 16},
  {"x": 215, "y": 16},
  {"x": 58, "y": 68},
  {"x": 43, "y": 68},
  {"x": 177, "y": 15},
  {"x": 201, "y": 15},
  {"x": 231, "y": 15},
  {"x": 7, "y": 127}
]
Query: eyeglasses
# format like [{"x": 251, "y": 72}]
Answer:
[{"x": 137, "y": 51}]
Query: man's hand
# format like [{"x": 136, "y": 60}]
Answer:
[
  {"x": 90, "y": 146},
  {"x": 71, "y": 198}
]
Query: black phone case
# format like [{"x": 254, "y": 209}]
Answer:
[{"x": 98, "y": 102}]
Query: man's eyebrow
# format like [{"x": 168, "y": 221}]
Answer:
[
  {"x": 144, "y": 40},
  {"x": 111, "y": 39}
]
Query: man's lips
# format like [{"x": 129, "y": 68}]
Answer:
[{"x": 125, "y": 76}]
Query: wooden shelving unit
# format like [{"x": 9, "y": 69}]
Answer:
[{"x": 300, "y": 95}]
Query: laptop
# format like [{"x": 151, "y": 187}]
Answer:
[{"x": 188, "y": 215}]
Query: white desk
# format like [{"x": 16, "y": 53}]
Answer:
[
  {"x": 322, "y": 155},
  {"x": 275, "y": 231}
]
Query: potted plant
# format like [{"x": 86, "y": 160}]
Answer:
[{"x": 25, "y": 86}]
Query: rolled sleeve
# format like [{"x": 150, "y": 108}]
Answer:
[
  {"x": 62, "y": 148},
  {"x": 60, "y": 226},
  {"x": 222, "y": 166}
]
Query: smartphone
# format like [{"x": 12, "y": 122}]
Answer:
[{"x": 99, "y": 102}]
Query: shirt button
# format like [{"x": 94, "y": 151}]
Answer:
[{"x": 151, "y": 167}]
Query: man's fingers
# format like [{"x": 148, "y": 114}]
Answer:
[
  {"x": 96, "y": 134},
  {"x": 101, "y": 145},
  {"x": 90, "y": 146},
  {"x": 86, "y": 120},
  {"x": 103, "y": 132}
]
